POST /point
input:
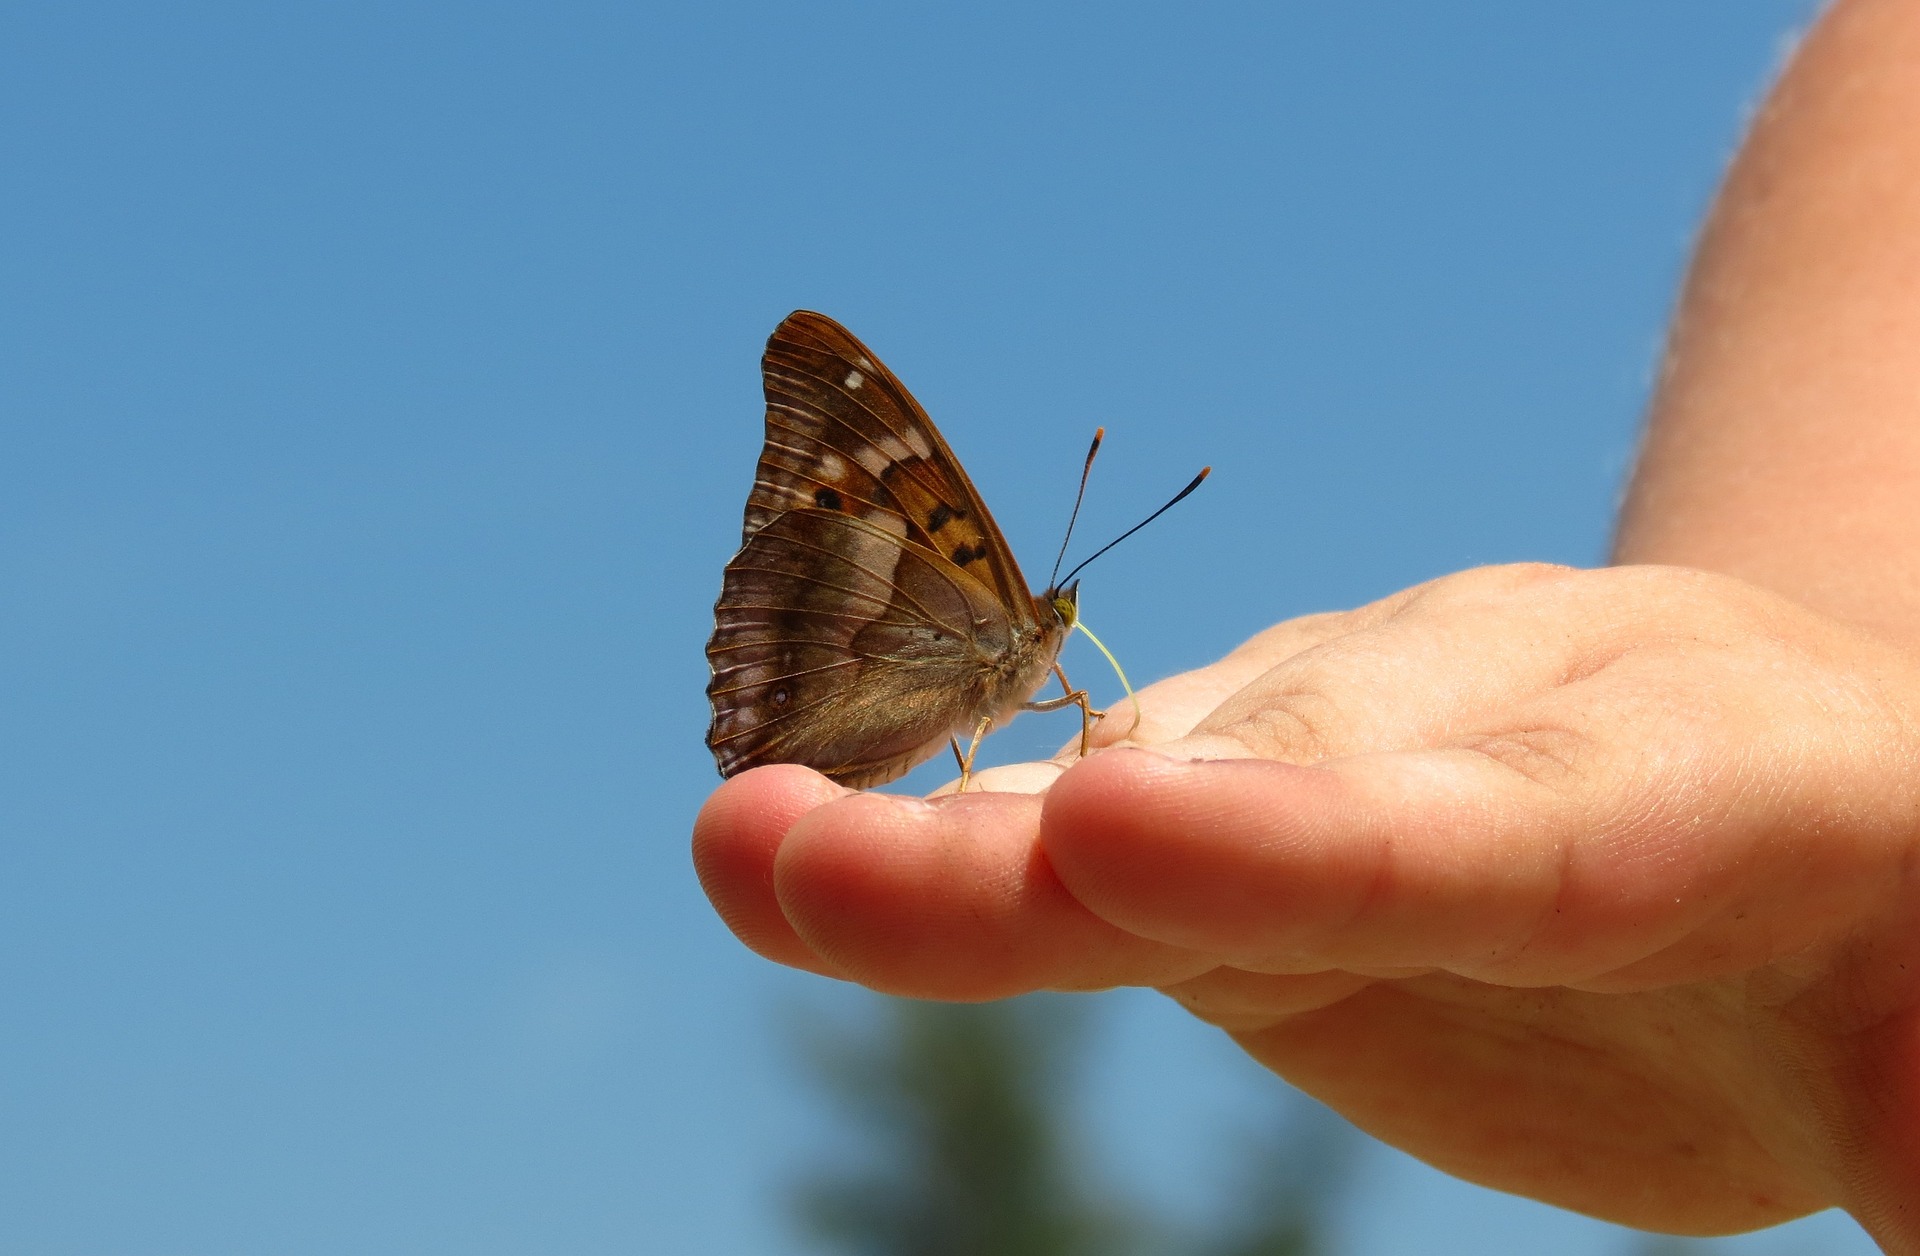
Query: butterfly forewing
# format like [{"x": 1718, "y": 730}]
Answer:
[
  {"x": 844, "y": 434},
  {"x": 874, "y": 607}
]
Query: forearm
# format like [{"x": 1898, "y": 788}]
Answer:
[{"x": 1784, "y": 442}]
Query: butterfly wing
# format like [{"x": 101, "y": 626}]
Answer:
[
  {"x": 838, "y": 647},
  {"x": 874, "y": 606},
  {"x": 843, "y": 434}
]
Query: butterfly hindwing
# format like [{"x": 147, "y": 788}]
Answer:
[{"x": 838, "y": 647}]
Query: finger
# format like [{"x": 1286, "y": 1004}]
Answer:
[
  {"x": 735, "y": 839},
  {"x": 950, "y": 900},
  {"x": 1433, "y": 859}
]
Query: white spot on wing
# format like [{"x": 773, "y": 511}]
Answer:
[
  {"x": 895, "y": 448},
  {"x": 853, "y": 380}
]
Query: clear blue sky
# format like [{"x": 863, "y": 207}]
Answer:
[{"x": 378, "y": 396}]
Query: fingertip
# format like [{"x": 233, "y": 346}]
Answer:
[
  {"x": 948, "y": 900},
  {"x": 737, "y": 838},
  {"x": 897, "y": 892},
  {"x": 748, "y": 814}
]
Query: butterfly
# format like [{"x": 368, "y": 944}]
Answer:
[{"x": 874, "y": 613}]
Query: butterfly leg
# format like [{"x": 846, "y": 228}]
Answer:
[
  {"x": 966, "y": 761},
  {"x": 1072, "y": 697}
]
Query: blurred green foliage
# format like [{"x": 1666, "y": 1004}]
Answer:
[{"x": 965, "y": 1145}]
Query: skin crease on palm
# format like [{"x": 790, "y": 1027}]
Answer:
[{"x": 1601, "y": 887}]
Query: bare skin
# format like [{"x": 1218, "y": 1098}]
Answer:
[{"x": 1602, "y": 887}]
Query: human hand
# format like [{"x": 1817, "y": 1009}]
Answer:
[{"x": 1594, "y": 886}]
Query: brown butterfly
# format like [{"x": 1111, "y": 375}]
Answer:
[{"x": 874, "y": 612}]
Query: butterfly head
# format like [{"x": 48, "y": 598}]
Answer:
[{"x": 1065, "y": 603}]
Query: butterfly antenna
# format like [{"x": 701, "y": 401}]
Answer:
[
  {"x": 1193, "y": 484},
  {"x": 1099, "y": 434}
]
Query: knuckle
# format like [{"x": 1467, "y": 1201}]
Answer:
[
  {"x": 1553, "y": 757},
  {"x": 1480, "y": 583},
  {"x": 1295, "y": 723}
]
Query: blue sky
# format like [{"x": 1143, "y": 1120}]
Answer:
[{"x": 378, "y": 397}]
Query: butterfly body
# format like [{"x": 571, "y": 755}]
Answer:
[{"x": 874, "y": 611}]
